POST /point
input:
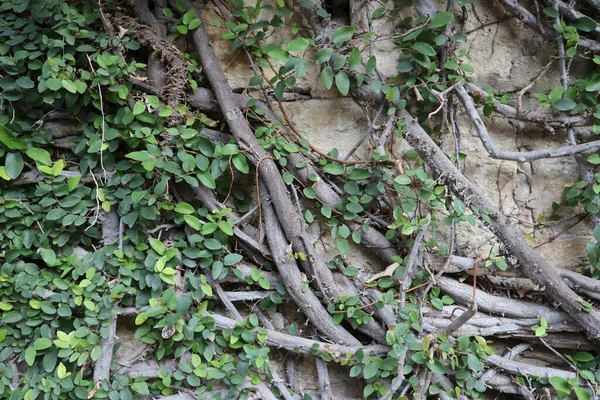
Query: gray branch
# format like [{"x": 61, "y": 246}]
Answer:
[
  {"x": 533, "y": 265},
  {"x": 526, "y": 156}
]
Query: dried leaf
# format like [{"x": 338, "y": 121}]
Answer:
[{"x": 389, "y": 271}]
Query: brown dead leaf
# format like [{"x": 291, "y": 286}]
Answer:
[
  {"x": 122, "y": 31},
  {"x": 389, "y": 271}
]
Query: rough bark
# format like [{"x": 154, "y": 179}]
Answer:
[{"x": 533, "y": 265}]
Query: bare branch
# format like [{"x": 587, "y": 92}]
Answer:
[
  {"x": 533, "y": 265},
  {"x": 460, "y": 321},
  {"x": 523, "y": 369},
  {"x": 526, "y": 156},
  {"x": 514, "y": 8},
  {"x": 399, "y": 378},
  {"x": 296, "y": 343}
]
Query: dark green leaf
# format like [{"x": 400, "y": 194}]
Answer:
[
  {"x": 424, "y": 49},
  {"x": 232, "y": 259},
  {"x": 30, "y": 354},
  {"x": 343, "y": 34},
  {"x": 25, "y": 82},
  {"x": 42, "y": 343},
  {"x": 298, "y": 44},
  {"x": 560, "y": 385},
  {"x": 48, "y": 256},
  {"x": 334, "y": 169},
  {"x": 324, "y": 55},
  {"x": 193, "y": 222},
  {"x": 240, "y": 163},
  {"x": 342, "y": 83},
  {"x": 9, "y": 140},
  {"x": 440, "y": 19},
  {"x": 140, "y": 387},
  {"x": 564, "y": 104},
  {"x": 69, "y": 85},
  {"x": 280, "y": 55},
  {"x": 184, "y": 208},
  {"x": 371, "y": 370},
  {"x": 327, "y": 78},
  {"x": 586, "y": 24},
  {"x": 583, "y": 356},
  {"x": 40, "y": 155},
  {"x": 13, "y": 165}
]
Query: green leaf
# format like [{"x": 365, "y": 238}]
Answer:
[
  {"x": 225, "y": 227},
  {"x": 25, "y": 82},
  {"x": 3, "y": 174},
  {"x": 564, "y": 104},
  {"x": 342, "y": 246},
  {"x": 334, "y": 169},
  {"x": 354, "y": 60},
  {"x": 402, "y": 180},
  {"x": 96, "y": 351},
  {"x": 556, "y": 93},
  {"x": 140, "y": 387},
  {"x": 560, "y": 385},
  {"x": 217, "y": 269},
  {"x": 55, "y": 214},
  {"x": 371, "y": 370},
  {"x": 232, "y": 259},
  {"x": 358, "y": 174},
  {"x": 298, "y": 44},
  {"x": 30, "y": 354},
  {"x": 48, "y": 256},
  {"x": 324, "y": 55},
  {"x": 195, "y": 23},
  {"x": 593, "y": 84},
  {"x": 342, "y": 83},
  {"x": 13, "y": 164},
  {"x": 69, "y": 85},
  {"x": 53, "y": 84},
  {"x": 207, "y": 179},
  {"x": 193, "y": 222},
  {"x": 42, "y": 343},
  {"x": 583, "y": 356},
  {"x": 585, "y": 24},
  {"x": 139, "y": 108},
  {"x": 440, "y": 19},
  {"x": 327, "y": 77},
  {"x": 184, "y": 208},
  {"x": 240, "y": 163},
  {"x": 474, "y": 363},
  {"x": 338, "y": 318},
  {"x": 166, "y": 111},
  {"x": 157, "y": 246},
  {"x": 280, "y": 55},
  {"x": 343, "y": 34},
  {"x": 581, "y": 394},
  {"x": 551, "y": 12},
  {"x": 9, "y": 140},
  {"x": 435, "y": 366},
  {"x": 39, "y": 155},
  {"x": 424, "y": 49},
  {"x": 140, "y": 156}
]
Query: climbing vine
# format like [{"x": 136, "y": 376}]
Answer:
[{"x": 135, "y": 197}]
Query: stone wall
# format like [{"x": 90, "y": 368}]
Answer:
[{"x": 506, "y": 56}]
